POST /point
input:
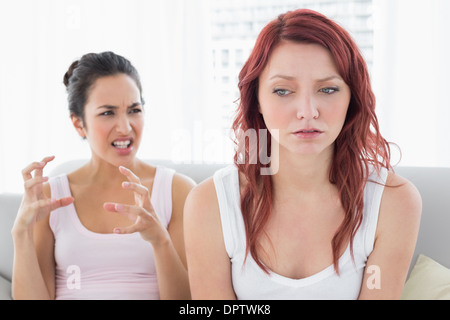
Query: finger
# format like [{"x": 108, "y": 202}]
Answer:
[
  {"x": 142, "y": 193},
  {"x": 48, "y": 159},
  {"x": 131, "y": 212},
  {"x": 51, "y": 204},
  {"x": 126, "y": 230},
  {"x": 29, "y": 184},
  {"x": 110, "y": 206},
  {"x": 39, "y": 171},
  {"x": 129, "y": 174},
  {"x": 59, "y": 203},
  {"x": 26, "y": 172},
  {"x": 119, "y": 208},
  {"x": 136, "y": 187},
  {"x": 123, "y": 209}
]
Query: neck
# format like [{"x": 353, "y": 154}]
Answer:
[
  {"x": 105, "y": 173},
  {"x": 306, "y": 174}
]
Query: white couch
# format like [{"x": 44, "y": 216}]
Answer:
[{"x": 430, "y": 279}]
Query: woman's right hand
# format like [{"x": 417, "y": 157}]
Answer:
[{"x": 35, "y": 205}]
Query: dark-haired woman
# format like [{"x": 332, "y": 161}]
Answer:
[
  {"x": 327, "y": 218},
  {"x": 112, "y": 229}
]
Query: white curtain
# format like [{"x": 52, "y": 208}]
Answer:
[
  {"x": 410, "y": 75},
  {"x": 167, "y": 41}
]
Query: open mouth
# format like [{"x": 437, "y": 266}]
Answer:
[{"x": 122, "y": 144}]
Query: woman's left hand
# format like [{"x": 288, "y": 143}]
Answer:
[{"x": 144, "y": 218}]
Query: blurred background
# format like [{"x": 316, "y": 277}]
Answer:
[{"x": 189, "y": 54}]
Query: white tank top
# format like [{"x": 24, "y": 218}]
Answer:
[
  {"x": 250, "y": 282},
  {"x": 109, "y": 266}
]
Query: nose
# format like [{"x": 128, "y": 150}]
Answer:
[
  {"x": 123, "y": 125},
  {"x": 307, "y": 108}
]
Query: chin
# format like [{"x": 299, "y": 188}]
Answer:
[
  {"x": 124, "y": 161},
  {"x": 304, "y": 150}
]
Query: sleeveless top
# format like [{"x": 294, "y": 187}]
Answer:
[
  {"x": 250, "y": 282},
  {"x": 92, "y": 265}
]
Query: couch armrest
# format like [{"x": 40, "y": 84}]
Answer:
[
  {"x": 9, "y": 204},
  {"x": 5, "y": 289}
]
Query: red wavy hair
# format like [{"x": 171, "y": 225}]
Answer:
[{"x": 358, "y": 146}]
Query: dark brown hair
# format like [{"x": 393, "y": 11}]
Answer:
[{"x": 84, "y": 72}]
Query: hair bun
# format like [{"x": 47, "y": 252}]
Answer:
[{"x": 69, "y": 73}]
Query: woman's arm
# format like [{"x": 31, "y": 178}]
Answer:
[
  {"x": 171, "y": 256},
  {"x": 395, "y": 240},
  {"x": 34, "y": 264},
  {"x": 168, "y": 245},
  {"x": 209, "y": 266},
  {"x": 33, "y": 267}
]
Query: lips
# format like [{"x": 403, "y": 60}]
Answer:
[
  {"x": 308, "y": 133},
  {"x": 309, "y": 130}
]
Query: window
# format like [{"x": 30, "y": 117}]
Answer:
[
  {"x": 235, "y": 26},
  {"x": 189, "y": 54}
]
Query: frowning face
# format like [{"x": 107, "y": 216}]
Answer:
[
  {"x": 113, "y": 119},
  {"x": 302, "y": 95}
]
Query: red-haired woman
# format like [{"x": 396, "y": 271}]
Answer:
[{"x": 331, "y": 220}]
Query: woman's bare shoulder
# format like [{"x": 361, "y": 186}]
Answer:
[
  {"x": 401, "y": 205},
  {"x": 401, "y": 193},
  {"x": 204, "y": 196}
]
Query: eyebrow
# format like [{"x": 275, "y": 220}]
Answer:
[
  {"x": 106, "y": 106},
  {"x": 282, "y": 77},
  {"x": 291, "y": 78},
  {"x": 332, "y": 77}
]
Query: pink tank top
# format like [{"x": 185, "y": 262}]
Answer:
[{"x": 110, "y": 266}]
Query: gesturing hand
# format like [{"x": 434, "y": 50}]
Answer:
[
  {"x": 35, "y": 206},
  {"x": 145, "y": 221}
]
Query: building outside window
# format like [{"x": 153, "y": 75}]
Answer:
[{"x": 235, "y": 25}]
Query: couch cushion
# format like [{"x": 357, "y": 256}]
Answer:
[
  {"x": 428, "y": 281},
  {"x": 9, "y": 205}
]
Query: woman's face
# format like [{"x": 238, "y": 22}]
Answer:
[
  {"x": 113, "y": 119},
  {"x": 302, "y": 95}
]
